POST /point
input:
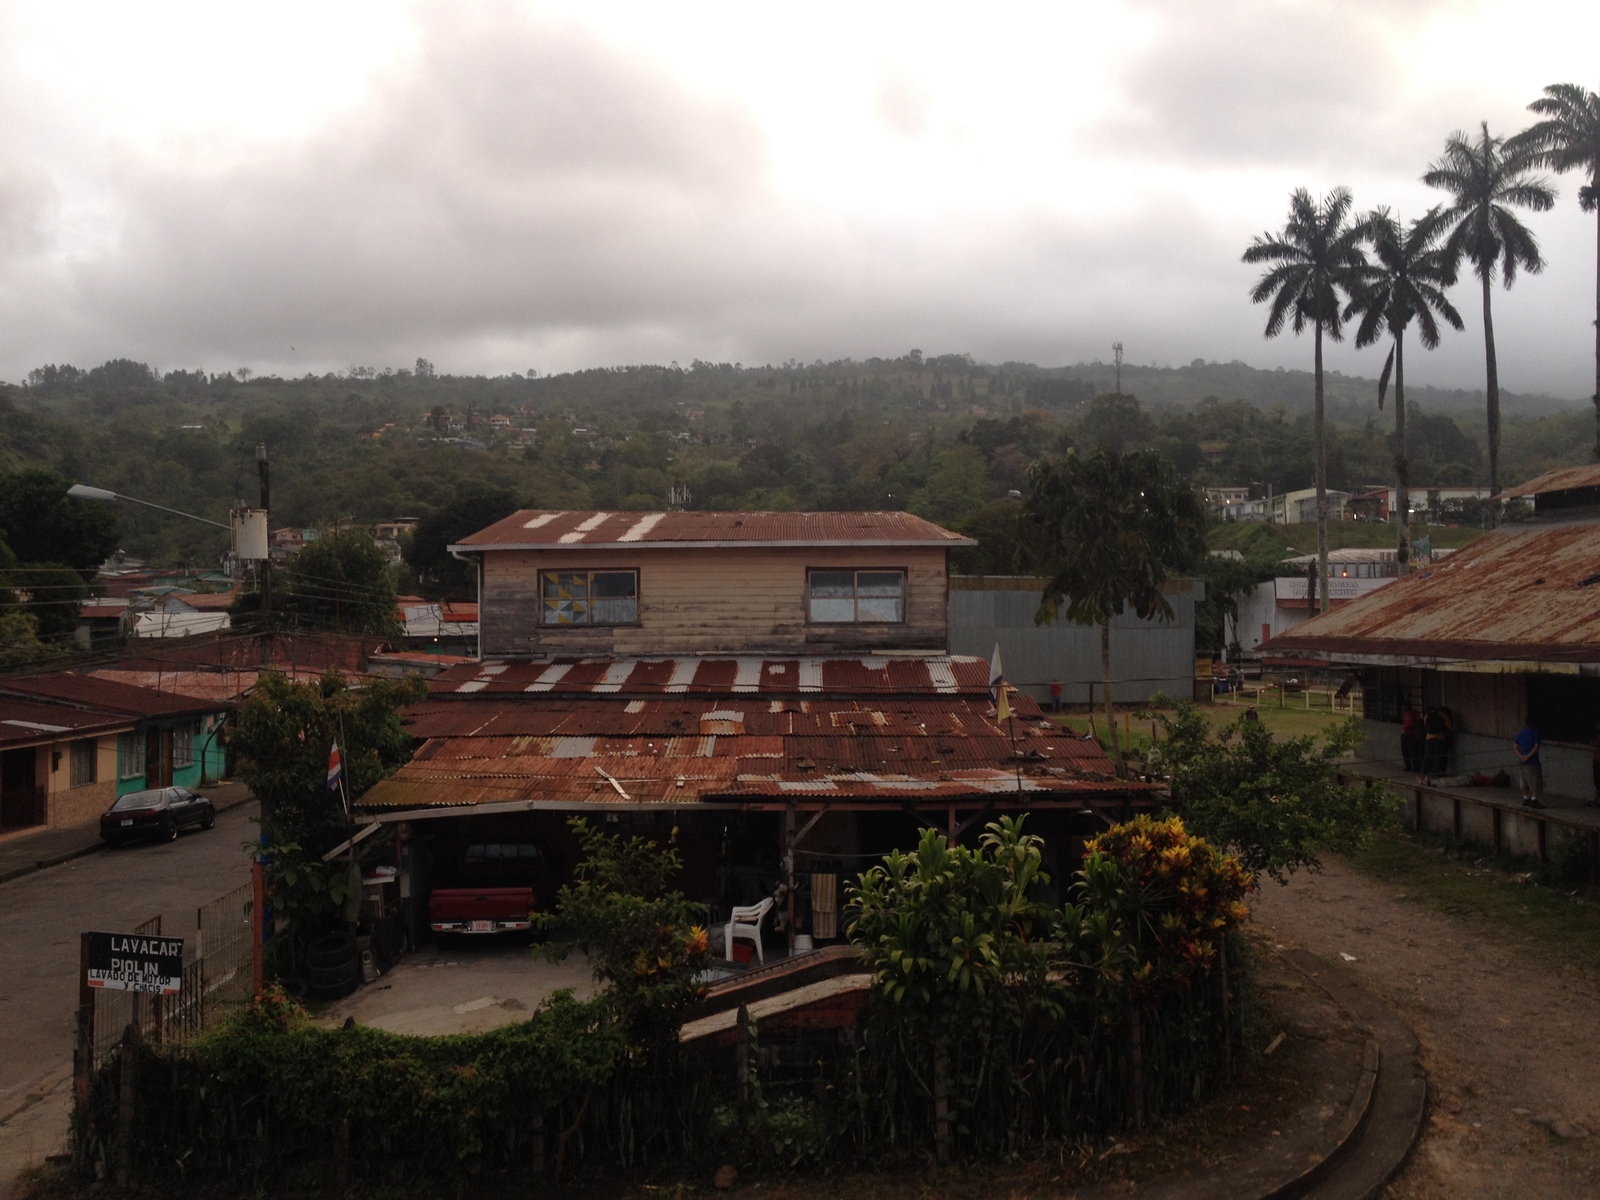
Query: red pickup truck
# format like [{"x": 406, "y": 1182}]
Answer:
[{"x": 497, "y": 887}]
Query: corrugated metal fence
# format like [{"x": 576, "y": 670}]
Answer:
[{"x": 1146, "y": 656}]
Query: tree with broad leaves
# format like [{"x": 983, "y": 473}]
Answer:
[
  {"x": 1568, "y": 139},
  {"x": 1406, "y": 281},
  {"x": 1108, "y": 528},
  {"x": 1487, "y": 178},
  {"x": 1313, "y": 263}
]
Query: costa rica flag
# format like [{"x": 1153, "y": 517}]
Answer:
[{"x": 335, "y": 768}]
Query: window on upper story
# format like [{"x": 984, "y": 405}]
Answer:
[
  {"x": 589, "y": 597},
  {"x": 855, "y": 597}
]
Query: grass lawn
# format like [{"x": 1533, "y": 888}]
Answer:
[
  {"x": 1559, "y": 922},
  {"x": 1255, "y": 538}
]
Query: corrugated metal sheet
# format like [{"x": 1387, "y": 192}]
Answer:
[
  {"x": 108, "y": 695},
  {"x": 1146, "y": 656},
  {"x": 713, "y": 675},
  {"x": 24, "y": 722},
  {"x": 521, "y": 746},
  {"x": 1566, "y": 479},
  {"x": 547, "y": 529},
  {"x": 1529, "y": 593}
]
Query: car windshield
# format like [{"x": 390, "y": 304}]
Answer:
[{"x": 133, "y": 800}]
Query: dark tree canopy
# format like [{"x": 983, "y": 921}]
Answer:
[
  {"x": 342, "y": 582},
  {"x": 42, "y": 524},
  {"x": 469, "y": 511}
]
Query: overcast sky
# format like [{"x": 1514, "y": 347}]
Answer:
[{"x": 496, "y": 187}]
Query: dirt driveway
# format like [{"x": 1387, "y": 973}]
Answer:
[{"x": 1507, "y": 1040}]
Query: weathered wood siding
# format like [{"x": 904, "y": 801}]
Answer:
[{"x": 707, "y": 601}]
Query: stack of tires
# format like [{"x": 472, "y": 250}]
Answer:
[{"x": 333, "y": 966}]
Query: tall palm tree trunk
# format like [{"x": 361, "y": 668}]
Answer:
[
  {"x": 1493, "y": 371},
  {"x": 1402, "y": 464},
  {"x": 1595, "y": 184},
  {"x": 1322, "y": 485},
  {"x": 1111, "y": 709}
]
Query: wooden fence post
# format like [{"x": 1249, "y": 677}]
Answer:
[
  {"x": 742, "y": 1055},
  {"x": 1136, "y": 1064},
  {"x": 127, "y": 1101},
  {"x": 258, "y": 915}
]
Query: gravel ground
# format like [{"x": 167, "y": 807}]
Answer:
[{"x": 1511, "y": 1045}]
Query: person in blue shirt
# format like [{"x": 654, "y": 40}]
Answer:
[{"x": 1527, "y": 743}]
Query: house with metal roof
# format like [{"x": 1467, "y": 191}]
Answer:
[
  {"x": 169, "y": 738},
  {"x": 1504, "y": 633},
  {"x": 774, "y": 688},
  {"x": 57, "y": 764}
]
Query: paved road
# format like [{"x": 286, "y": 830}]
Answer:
[{"x": 41, "y": 916}]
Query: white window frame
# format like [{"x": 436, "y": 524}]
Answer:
[
  {"x": 856, "y": 597},
  {"x": 130, "y": 755}
]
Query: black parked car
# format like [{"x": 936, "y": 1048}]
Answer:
[{"x": 157, "y": 813}]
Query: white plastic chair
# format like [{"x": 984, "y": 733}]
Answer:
[{"x": 746, "y": 923}]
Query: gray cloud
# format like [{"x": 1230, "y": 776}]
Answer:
[
  {"x": 524, "y": 194},
  {"x": 1261, "y": 82}
]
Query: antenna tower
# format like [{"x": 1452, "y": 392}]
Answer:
[{"x": 1116, "y": 353}]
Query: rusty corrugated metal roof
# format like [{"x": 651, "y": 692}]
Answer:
[
  {"x": 1527, "y": 594},
  {"x": 26, "y": 722},
  {"x": 904, "y": 742},
  {"x": 1562, "y": 480},
  {"x": 713, "y": 674},
  {"x": 544, "y": 529},
  {"x": 108, "y": 695}
]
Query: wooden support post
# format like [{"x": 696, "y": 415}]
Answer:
[
  {"x": 258, "y": 911},
  {"x": 127, "y": 1100},
  {"x": 83, "y": 1036},
  {"x": 1136, "y": 1064},
  {"x": 741, "y": 1066},
  {"x": 788, "y": 868},
  {"x": 1227, "y": 1023},
  {"x": 341, "y": 1156}
]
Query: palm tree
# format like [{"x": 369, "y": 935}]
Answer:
[
  {"x": 1488, "y": 178},
  {"x": 1406, "y": 282},
  {"x": 1315, "y": 262},
  {"x": 1568, "y": 139}
]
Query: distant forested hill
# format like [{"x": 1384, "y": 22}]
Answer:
[{"x": 943, "y": 436}]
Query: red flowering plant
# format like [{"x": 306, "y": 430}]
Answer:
[{"x": 1152, "y": 907}]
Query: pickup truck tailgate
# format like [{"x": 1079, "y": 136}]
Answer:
[{"x": 480, "y": 910}]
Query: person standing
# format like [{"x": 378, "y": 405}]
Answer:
[
  {"x": 1411, "y": 741},
  {"x": 1527, "y": 743},
  {"x": 1435, "y": 743}
]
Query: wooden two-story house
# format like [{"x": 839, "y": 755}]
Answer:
[
  {"x": 774, "y": 687},
  {"x": 711, "y": 582}
]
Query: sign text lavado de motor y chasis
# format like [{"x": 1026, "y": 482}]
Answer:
[{"x": 132, "y": 962}]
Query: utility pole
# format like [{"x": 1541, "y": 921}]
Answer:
[
  {"x": 1116, "y": 353},
  {"x": 265, "y": 578}
]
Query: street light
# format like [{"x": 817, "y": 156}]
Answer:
[{"x": 84, "y": 492}]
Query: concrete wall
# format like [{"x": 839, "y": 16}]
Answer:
[
  {"x": 1146, "y": 656},
  {"x": 68, "y": 805}
]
